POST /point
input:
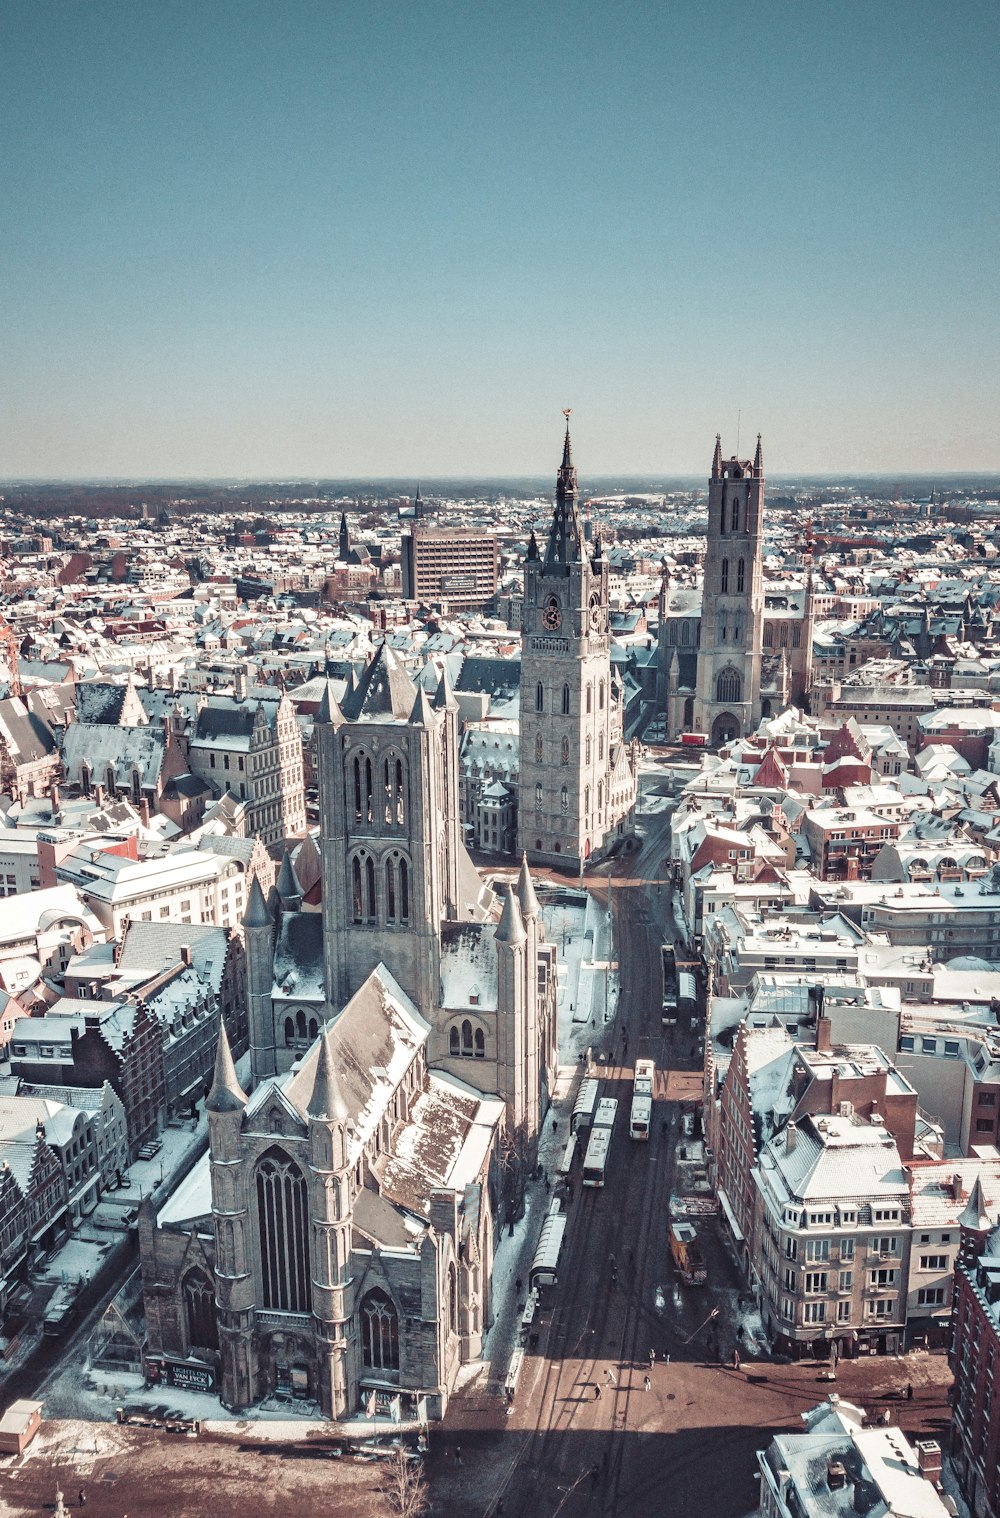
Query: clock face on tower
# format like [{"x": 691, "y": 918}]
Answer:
[
  {"x": 595, "y": 612},
  {"x": 551, "y": 615}
]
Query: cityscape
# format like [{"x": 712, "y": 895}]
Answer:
[{"x": 500, "y": 762}]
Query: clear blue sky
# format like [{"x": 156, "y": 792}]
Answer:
[{"x": 290, "y": 238}]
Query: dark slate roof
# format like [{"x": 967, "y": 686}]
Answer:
[
  {"x": 384, "y": 690},
  {"x": 26, "y": 735},
  {"x": 486, "y": 676},
  {"x": 97, "y": 701}
]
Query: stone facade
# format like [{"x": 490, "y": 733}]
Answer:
[{"x": 577, "y": 781}]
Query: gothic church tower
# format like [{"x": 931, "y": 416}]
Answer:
[
  {"x": 727, "y": 699},
  {"x": 565, "y": 709}
]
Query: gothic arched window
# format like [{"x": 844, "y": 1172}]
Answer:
[
  {"x": 565, "y": 700},
  {"x": 390, "y": 890},
  {"x": 466, "y": 1037},
  {"x": 735, "y": 523},
  {"x": 539, "y": 697},
  {"x": 400, "y": 794},
  {"x": 452, "y": 1299},
  {"x": 453, "y": 1046},
  {"x": 370, "y": 888},
  {"x": 357, "y": 904},
  {"x": 685, "y": 632},
  {"x": 565, "y": 751},
  {"x": 729, "y": 686},
  {"x": 741, "y": 573},
  {"x": 369, "y": 815},
  {"x": 539, "y": 748},
  {"x": 586, "y": 749},
  {"x": 600, "y": 745},
  {"x": 300, "y": 1024},
  {"x": 283, "y": 1227},
  {"x": 590, "y": 691},
  {"x": 600, "y": 794},
  {"x": 564, "y": 801},
  {"x": 538, "y": 797},
  {"x": 724, "y": 583},
  {"x": 480, "y": 1044},
  {"x": 600, "y": 696},
  {"x": 379, "y": 1332},
  {"x": 586, "y": 801},
  {"x": 768, "y": 634},
  {"x": 199, "y": 1310},
  {"x": 783, "y": 635},
  {"x": 404, "y": 891},
  {"x": 357, "y": 789},
  {"x": 289, "y": 1033}
]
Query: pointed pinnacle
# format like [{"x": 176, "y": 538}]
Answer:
[
  {"x": 226, "y": 1095},
  {"x": 327, "y": 1099}
]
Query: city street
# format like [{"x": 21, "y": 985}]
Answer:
[{"x": 577, "y": 1442}]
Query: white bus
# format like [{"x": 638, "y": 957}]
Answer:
[
  {"x": 596, "y": 1159},
  {"x": 641, "y": 1115},
  {"x": 607, "y": 1109}
]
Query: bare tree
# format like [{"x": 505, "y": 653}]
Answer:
[{"x": 405, "y": 1491}]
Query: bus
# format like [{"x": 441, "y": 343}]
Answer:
[
  {"x": 596, "y": 1158},
  {"x": 641, "y": 1115},
  {"x": 566, "y": 1163},
  {"x": 607, "y": 1110},
  {"x": 687, "y": 994},
  {"x": 586, "y": 1101},
  {"x": 668, "y": 962}
]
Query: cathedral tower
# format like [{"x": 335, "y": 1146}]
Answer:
[
  {"x": 387, "y": 763},
  {"x": 564, "y": 801},
  {"x": 727, "y": 700}
]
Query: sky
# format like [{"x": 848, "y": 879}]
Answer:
[{"x": 343, "y": 237}]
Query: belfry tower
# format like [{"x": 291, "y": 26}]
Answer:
[
  {"x": 565, "y": 791},
  {"x": 727, "y": 699}
]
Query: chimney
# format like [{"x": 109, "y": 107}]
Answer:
[
  {"x": 185, "y": 954},
  {"x": 958, "y": 1190},
  {"x": 929, "y": 1459},
  {"x": 791, "y": 1134},
  {"x": 240, "y": 684},
  {"x": 824, "y": 1041},
  {"x": 836, "y": 1475},
  {"x": 144, "y": 812},
  {"x": 99, "y": 795},
  {"x": 54, "y": 799}
]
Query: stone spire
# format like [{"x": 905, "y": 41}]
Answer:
[
  {"x": 526, "y": 890},
  {"x": 717, "y": 459},
  {"x": 532, "y": 546},
  {"x": 510, "y": 929},
  {"x": 327, "y": 1099},
  {"x": 421, "y": 713},
  {"x": 344, "y": 548},
  {"x": 289, "y": 890},
  {"x": 329, "y": 707},
  {"x": 257, "y": 914},
  {"x": 226, "y": 1095},
  {"x": 758, "y": 461},
  {"x": 444, "y": 701},
  {"x": 566, "y": 537}
]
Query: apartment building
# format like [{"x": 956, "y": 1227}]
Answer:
[
  {"x": 250, "y": 745},
  {"x": 832, "y": 1236},
  {"x": 191, "y": 886},
  {"x": 844, "y": 842}
]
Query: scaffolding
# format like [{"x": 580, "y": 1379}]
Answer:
[{"x": 117, "y": 1339}]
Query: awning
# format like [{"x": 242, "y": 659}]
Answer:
[{"x": 735, "y": 1228}]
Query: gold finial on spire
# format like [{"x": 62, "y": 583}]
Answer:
[{"x": 567, "y": 413}]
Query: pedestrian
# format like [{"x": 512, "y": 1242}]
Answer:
[
  {"x": 666, "y": 1360},
  {"x": 458, "y": 1454},
  {"x": 83, "y": 1498},
  {"x": 736, "y": 1359},
  {"x": 646, "y": 1382},
  {"x": 909, "y": 1391},
  {"x": 597, "y": 1391},
  {"x": 652, "y": 1358},
  {"x": 611, "y": 1378}
]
